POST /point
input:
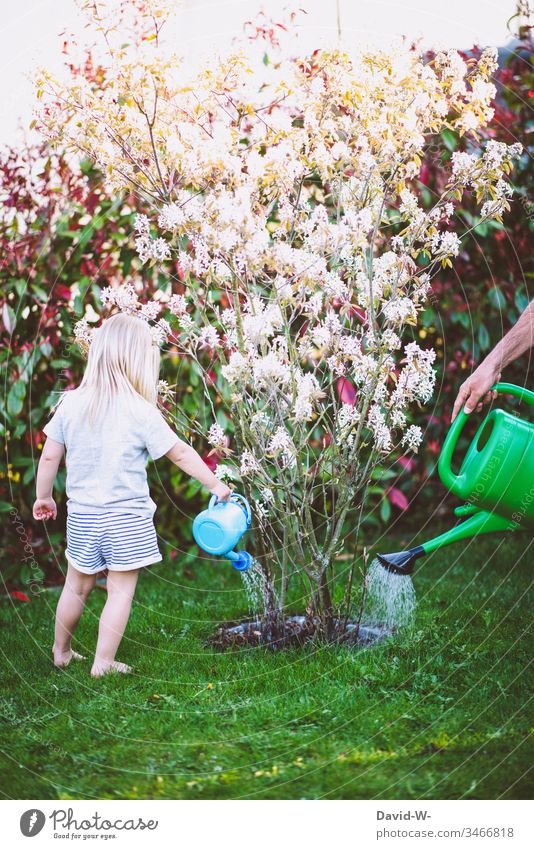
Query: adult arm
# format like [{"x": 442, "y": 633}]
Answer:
[{"x": 475, "y": 391}]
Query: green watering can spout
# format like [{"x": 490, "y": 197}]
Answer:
[
  {"x": 401, "y": 562},
  {"x": 496, "y": 479}
]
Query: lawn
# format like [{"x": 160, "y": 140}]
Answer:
[{"x": 443, "y": 712}]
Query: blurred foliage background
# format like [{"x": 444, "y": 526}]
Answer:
[{"x": 63, "y": 238}]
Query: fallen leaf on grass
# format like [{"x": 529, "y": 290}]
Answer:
[{"x": 20, "y": 596}]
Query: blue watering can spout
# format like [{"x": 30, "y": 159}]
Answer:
[
  {"x": 241, "y": 560},
  {"x": 218, "y": 529}
]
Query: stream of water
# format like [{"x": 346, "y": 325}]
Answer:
[
  {"x": 390, "y": 602},
  {"x": 390, "y": 598},
  {"x": 260, "y": 597}
]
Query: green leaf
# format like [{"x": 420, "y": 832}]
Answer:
[
  {"x": 19, "y": 430},
  {"x": 86, "y": 166},
  {"x": 483, "y": 337},
  {"x": 78, "y": 305},
  {"x": 5, "y": 507},
  {"x": 385, "y": 510},
  {"x": 9, "y": 319},
  {"x": 427, "y": 317},
  {"x": 15, "y": 398},
  {"x": 41, "y": 294},
  {"x": 496, "y": 298},
  {"x": 426, "y": 197},
  {"x": 193, "y": 377},
  {"x": 20, "y": 287},
  {"x": 449, "y": 139},
  {"x": 28, "y": 476},
  {"x": 521, "y": 300},
  {"x": 461, "y": 318}
]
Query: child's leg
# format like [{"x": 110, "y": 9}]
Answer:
[
  {"x": 121, "y": 589},
  {"x": 69, "y": 609}
]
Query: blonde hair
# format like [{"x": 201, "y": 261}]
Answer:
[{"x": 123, "y": 358}]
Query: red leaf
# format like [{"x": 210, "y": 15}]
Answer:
[
  {"x": 61, "y": 291},
  {"x": 346, "y": 391},
  {"x": 20, "y": 596},
  {"x": 212, "y": 460},
  {"x": 397, "y": 498},
  {"x": 407, "y": 463},
  {"x": 359, "y": 313}
]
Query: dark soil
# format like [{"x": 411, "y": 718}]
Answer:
[{"x": 292, "y": 631}]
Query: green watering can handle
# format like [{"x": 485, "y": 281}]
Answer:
[{"x": 449, "y": 478}]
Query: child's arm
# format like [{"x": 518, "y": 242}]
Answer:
[
  {"x": 187, "y": 459},
  {"x": 45, "y": 506}
]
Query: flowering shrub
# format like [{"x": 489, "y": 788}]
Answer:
[
  {"x": 473, "y": 304},
  {"x": 287, "y": 193}
]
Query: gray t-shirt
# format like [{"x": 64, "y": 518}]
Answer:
[{"x": 106, "y": 461}]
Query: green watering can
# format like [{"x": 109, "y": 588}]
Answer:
[{"x": 496, "y": 480}]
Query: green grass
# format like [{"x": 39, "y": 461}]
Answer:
[{"x": 442, "y": 713}]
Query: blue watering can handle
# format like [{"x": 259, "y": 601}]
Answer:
[{"x": 235, "y": 496}]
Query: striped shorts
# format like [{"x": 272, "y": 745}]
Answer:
[{"x": 115, "y": 541}]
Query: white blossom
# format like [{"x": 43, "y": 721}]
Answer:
[
  {"x": 270, "y": 370},
  {"x": 381, "y": 433},
  {"x": 224, "y": 472},
  {"x": 237, "y": 369},
  {"x": 124, "y": 297},
  {"x": 161, "y": 331},
  {"x": 249, "y": 464},
  {"x": 142, "y": 224},
  {"x": 83, "y": 333},
  {"x": 216, "y": 436},
  {"x": 412, "y": 438},
  {"x": 177, "y": 304},
  {"x": 171, "y": 216},
  {"x": 281, "y": 444},
  {"x": 150, "y": 310},
  {"x": 208, "y": 337}
]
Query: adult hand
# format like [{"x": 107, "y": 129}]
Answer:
[
  {"x": 476, "y": 390},
  {"x": 44, "y": 508}
]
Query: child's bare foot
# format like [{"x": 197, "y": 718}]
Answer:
[
  {"x": 105, "y": 667},
  {"x": 63, "y": 658}
]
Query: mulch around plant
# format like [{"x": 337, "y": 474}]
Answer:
[{"x": 291, "y": 632}]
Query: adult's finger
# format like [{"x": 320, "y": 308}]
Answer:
[
  {"x": 460, "y": 400},
  {"x": 474, "y": 398}
]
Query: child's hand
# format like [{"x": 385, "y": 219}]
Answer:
[
  {"x": 44, "y": 508},
  {"x": 222, "y": 491}
]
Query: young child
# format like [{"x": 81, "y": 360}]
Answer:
[{"x": 109, "y": 426}]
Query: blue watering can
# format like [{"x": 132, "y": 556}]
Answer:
[{"x": 219, "y": 528}]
